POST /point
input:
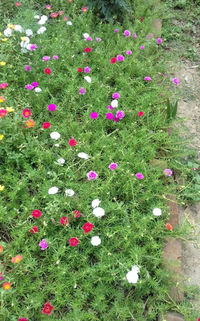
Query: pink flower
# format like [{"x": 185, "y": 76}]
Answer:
[
  {"x": 159, "y": 41},
  {"x": 73, "y": 241},
  {"x": 33, "y": 47},
  {"x": 85, "y": 9},
  {"x": 87, "y": 70},
  {"x": 176, "y": 81},
  {"x": 29, "y": 87},
  {"x": 34, "y": 84},
  {"x": 147, "y": 78},
  {"x": 87, "y": 227},
  {"x": 92, "y": 175},
  {"x": 139, "y": 175},
  {"x": 115, "y": 95},
  {"x": 89, "y": 38},
  {"x": 135, "y": 36},
  {"x": 43, "y": 244},
  {"x": 167, "y": 172},
  {"x": 115, "y": 119},
  {"x": 113, "y": 166},
  {"x": 128, "y": 52},
  {"x": 82, "y": 91},
  {"x": 48, "y": 6},
  {"x": 98, "y": 39},
  {"x": 53, "y": 15},
  {"x": 120, "y": 57},
  {"x": 27, "y": 68},
  {"x": 120, "y": 114},
  {"x": 109, "y": 116},
  {"x": 94, "y": 115},
  {"x": 52, "y": 107},
  {"x": 22, "y": 319},
  {"x": 140, "y": 113},
  {"x": 141, "y": 47},
  {"x": 110, "y": 107},
  {"x": 65, "y": 18},
  {"x": 127, "y": 33},
  {"x": 116, "y": 30},
  {"x": 55, "y": 57},
  {"x": 45, "y": 58},
  {"x": 26, "y": 112}
]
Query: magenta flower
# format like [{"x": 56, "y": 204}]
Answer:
[
  {"x": 55, "y": 57},
  {"x": 116, "y": 30},
  {"x": 29, "y": 87},
  {"x": 135, "y": 36},
  {"x": 120, "y": 114},
  {"x": 147, "y": 78},
  {"x": 115, "y": 95},
  {"x": 43, "y": 244},
  {"x": 82, "y": 91},
  {"x": 141, "y": 47},
  {"x": 45, "y": 58},
  {"x": 89, "y": 38},
  {"x": 94, "y": 115},
  {"x": 98, "y": 39},
  {"x": 52, "y": 107},
  {"x": 127, "y": 33},
  {"x": 109, "y": 116},
  {"x": 176, "y": 81},
  {"x": 34, "y": 84},
  {"x": 128, "y": 52},
  {"x": 87, "y": 70},
  {"x": 120, "y": 57},
  {"x": 33, "y": 47},
  {"x": 139, "y": 175},
  {"x": 112, "y": 166},
  {"x": 92, "y": 175},
  {"x": 159, "y": 41},
  {"x": 167, "y": 172},
  {"x": 27, "y": 68},
  {"x": 115, "y": 119},
  {"x": 110, "y": 107}
]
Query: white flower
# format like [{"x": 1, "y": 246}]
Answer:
[
  {"x": 95, "y": 240},
  {"x": 95, "y": 203},
  {"x": 69, "y": 192},
  {"x": 57, "y": 145},
  {"x": 24, "y": 43},
  {"x": 157, "y": 211},
  {"x": 38, "y": 89},
  {"x": 86, "y": 35},
  {"x": 36, "y": 16},
  {"x": 114, "y": 103},
  {"x": 69, "y": 23},
  {"x": 55, "y": 135},
  {"x": 61, "y": 161},
  {"x": 98, "y": 212},
  {"x": 83, "y": 155},
  {"x": 132, "y": 276},
  {"x": 41, "y": 30},
  {"x": 43, "y": 17},
  {"x": 88, "y": 79},
  {"x": 29, "y": 32},
  {"x": 43, "y": 20},
  {"x": 53, "y": 190},
  {"x": 8, "y": 32},
  {"x": 18, "y": 28}
]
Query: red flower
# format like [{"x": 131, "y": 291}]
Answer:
[
  {"x": 36, "y": 213},
  {"x": 113, "y": 60},
  {"x": 77, "y": 214},
  {"x": 22, "y": 319},
  {"x": 18, "y": 4},
  {"x": 34, "y": 229},
  {"x": 26, "y": 112},
  {"x": 3, "y": 112},
  {"x": 79, "y": 69},
  {"x": 169, "y": 227},
  {"x": 64, "y": 220},
  {"x": 141, "y": 19},
  {"x": 48, "y": 71},
  {"x": 73, "y": 241},
  {"x": 140, "y": 113},
  {"x": 47, "y": 308},
  {"x": 46, "y": 125},
  {"x": 88, "y": 49},
  {"x": 72, "y": 142},
  {"x": 87, "y": 227}
]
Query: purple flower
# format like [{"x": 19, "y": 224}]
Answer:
[
  {"x": 94, "y": 115},
  {"x": 127, "y": 33},
  {"x": 52, "y": 107},
  {"x": 120, "y": 114},
  {"x": 45, "y": 58},
  {"x": 89, "y": 38},
  {"x": 175, "y": 81},
  {"x": 147, "y": 78},
  {"x": 29, "y": 87},
  {"x": 120, "y": 57},
  {"x": 116, "y": 30},
  {"x": 139, "y": 175},
  {"x": 115, "y": 119},
  {"x": 82, "y": 91},
  {"x": 92, "y": 175},
  {"x": 141, "y": 47},
  {"x": 159, "y": 41},
  {"x": 43, "y": 244},
  {"x": 135, "y": 36},
  {"x": 98, "y": 39},
  {"x": 109, "y": 116},
  {"x": 112, "y": 166},
  {"x": 27, "y": 68},
  {"x": 110, "y": 107},
  {"x": 129, "y": 52},
  {"x": 167, "y": 172},
  {"x": 115, "y": 95},
  {"x": 33, "y": 47},
  {"x": 87, "y": 70},
  {"x": 34, "y": 84},
  {"x": 55, "y": 57}
]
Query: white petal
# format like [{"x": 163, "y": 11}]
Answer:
[
  {"x": 38, "y": 89},
  {"x": 69, "y": 192},
  {"x": 95, "y": 240},
  {"x": 69, "y": 23},
  {"x": 61, "y": 161},
  {"x": 36, "y": 16},
  {"x": 29, "y": 32},
  {"x": 95, "y": 203},
  {"x": 8, "y": 32},
  {"x": 83, "y": 155},
  {"x": 157, "y": 211},
  {"x": 132, "y": 277},
  {"x": 55, "y": 135},
  {"x": 98, "y": 212},
  {"x": 86, "y": 35},
  {"x": 114, "y": 103},
  {"x": 88, "y": 79},
  {"x": 53, "y": 190},
  {"x": 18, "y": 28}
]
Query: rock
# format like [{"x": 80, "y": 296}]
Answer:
[{"x": 171, "y": 316}]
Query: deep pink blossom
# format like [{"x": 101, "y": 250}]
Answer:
[
  {"x": 87, "y": 70},
  {"x": 115, "y": 95},
  {"x": 46, "y": 58},
  {"x": 120, "y": 114},
  {"x": 109, "y": 116},
  {"x": 159, "y": 41},
  {"x": 29, "y": 87},
  {"x": 176, "y": 81},
  {"x": 94, "y": 115},
  {"x": 147, "y": 78},
  {"x": 120, "y": 57},
  {"x": 128, "y": 52},
  {"x": 92, "y": 175},
  {"x": 55, "y": 57},
  {"x": 34, "y": 84},
  {"x": 127, "y": 33},
  {"x": 139, "y": 175},
  {"x": 27, "y": 68},
  {"x": 141, "y": 47},
  {"x": 52, "y": 107},
  {"x": 113, "y": 166},
  {"x": 82, "y": 91},
  {"x": 33, "y": 47}
]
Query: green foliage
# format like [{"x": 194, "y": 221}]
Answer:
[{"x": 171, "y": 110}]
